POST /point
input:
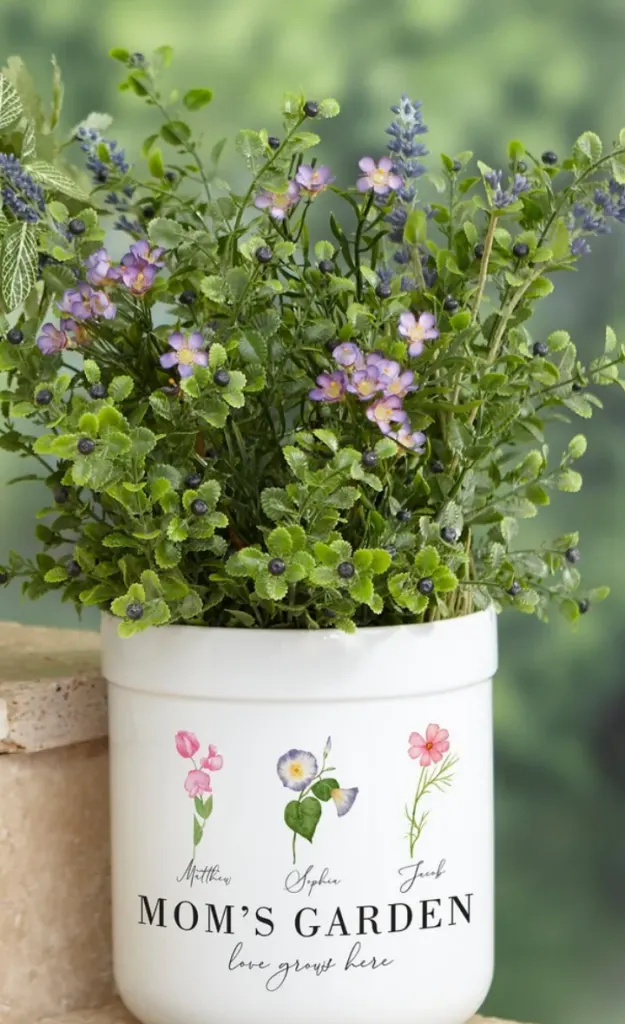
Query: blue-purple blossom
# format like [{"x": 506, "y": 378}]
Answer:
[
  {"x": 343, "y": 799},
  {"x": 52, "y": 340},
  {"x": 278, "y": 203},
  {"x": 365, "y": 383},
  {"x": 417, "y": 332},
  {"x": 500, "y": 197},
  {"x": 580, "y": 247},
  {"x": 347, "y": 353},
  {"x": 407, "y": 438},
  {"x": 386, "y": 411},
  {"x": 297, "y": 769},
  {"x": 331, "y": 387},
  {"x": 313, "y": 179},
  {"x": 187, "y": 353},
  {"x": 98, "y": 266},
  {"x": 90, "y": 143},
  {"x": 83, "y": 303}
]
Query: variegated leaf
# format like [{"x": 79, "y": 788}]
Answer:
[{"x": 18, "y": 264}]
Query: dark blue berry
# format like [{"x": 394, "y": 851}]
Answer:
[
  {"x": 97, "y": 390},
  {"x": 515, "y": 588},
  {"x": 187, "y": 297},
  {"x": 369, "y": 459},
  {"x": 436, "y": 466},
  {"x": 276, "y": 567},
  {"x": 311, "y": 109},
  {"x": 583, "y": 606},
  {"x": 171, "y": 177},
  {"x": 426, "y": 585},
  {"x": 193, "y": 481},
  {"x": 222, "y": 378},
  {"x": 572, "y": 555},
  {"x": 15, "y": 336},
  {"x": 4, "y": 577},
  {"x": 264, "y": 254},
  {"x": 148, "y": 212},
  {"x": 540, "y": 348},
  {"x": 199, "y": 507},
  {"x": 86, "y": 446},
  {"x": 326, "y": 266},
  {"x": 404, "y": 516},
  {"x": 346, "y": 570},
  {"x": 383, "y": 290},
  {"x": 550, "y": 158},
  {"x": 43, "y": 397},
  {"x": 479, "y": 251},
  {"x": 77, "y": 226},
  {"x": 73, "y": 569},
  {"x": 60, "y": 495},
  {"x": 274, "y": 142},
  {"x": 456, "y": 167},
  {"x": 134, "y": 611},
  {"x": 520, "y": 250},
  {"x": 577, "y": 387},
  {"x": 450, "y": 305},
  {"x": 449, "y": 535}
]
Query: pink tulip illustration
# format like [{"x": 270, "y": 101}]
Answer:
[
  {"x": 198, "y": 783},
  {"x": 187, "y": 744},
  {"x": 437, "y": 764}
]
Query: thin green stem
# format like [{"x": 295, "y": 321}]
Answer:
[{"x": 488, "y": 248}]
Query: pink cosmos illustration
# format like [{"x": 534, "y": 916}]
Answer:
[
  {"x": 431, "y": 749},
  {"x": 198, "y": 783},
  {"x": 437, "y": 774}
]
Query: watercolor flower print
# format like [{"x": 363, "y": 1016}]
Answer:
[
  {"x": 198, "y": 781},
  {"x": 437, "y": 773},
  {"x": 299, "y": 771}
]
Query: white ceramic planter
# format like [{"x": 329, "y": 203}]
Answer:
[{"x": 247, "y": 889}]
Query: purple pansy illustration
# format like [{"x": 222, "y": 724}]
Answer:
[
  {"x": 299, "y": 771},
  {"x": 187, "y": 353},
  {"x": 198, "y": 784}
]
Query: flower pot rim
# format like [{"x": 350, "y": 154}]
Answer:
[{"x": 303, "y": 665}]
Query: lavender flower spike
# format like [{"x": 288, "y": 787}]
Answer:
[{"x": 187, "y": 353}]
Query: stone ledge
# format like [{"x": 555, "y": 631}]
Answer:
[
  {"x": 118, "y": 1014},
  {"x": 51, "y": 691}
]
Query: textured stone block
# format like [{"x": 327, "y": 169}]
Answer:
[{"x": 55, "y": 942}]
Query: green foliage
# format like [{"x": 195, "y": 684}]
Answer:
[{"x": 226, "y": 495}]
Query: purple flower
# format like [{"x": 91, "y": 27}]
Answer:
[
  {"x": 138, "y": 277},
  {"x": 142, "y": 254},
  {"x": 379, "y": 177},
  {"x": 77, "y": 302},
  {"x": 365, "y": 383},
  {"x": 98, "y": 266},
  {"x": 313, "y": 179},
  {"x": 102, "y": 306},
  {"x": 278, "y": 203},
  {"x": 417, "y": 331},
  {"x": 401, "y": 385},
  {"x": 348, "y": 354},
  {"x": 386, "y": 411},
  {"x": 580, "y": 247},
  {"x": 77, "y": 332},
  {"x": 187, "y": 352},
  {"x": 407, "y": 438},
  {"x": 330, "y": 387},
  {"x": 51, "y": 340}
]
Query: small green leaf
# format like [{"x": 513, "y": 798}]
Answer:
[
  {"x": 195, "y": 99},
  {"x": 324, "y": 788},
  {"x": 155, "y": 163},
  {"x": 198, "y": 832},
  {"x": 120, "y": 388},
  {"x": 426, "y": 561}
]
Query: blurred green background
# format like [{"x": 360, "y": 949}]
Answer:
[{"x": 486, "y": 71}]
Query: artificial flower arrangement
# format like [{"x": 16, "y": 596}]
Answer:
[{"x": 240, "y": 426}]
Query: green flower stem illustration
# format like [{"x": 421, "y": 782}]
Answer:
[
  {"x": 437, "y": 777},
  {"x": 306, "y": 791},
  {"x": 316, "y": 788}
]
